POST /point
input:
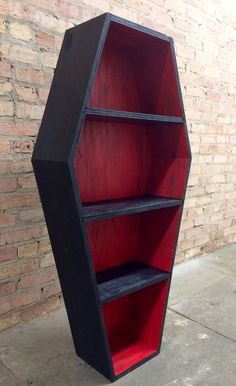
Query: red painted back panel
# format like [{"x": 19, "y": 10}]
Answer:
[
  {"x": 149, "y": 237},
  {"x": 136, "y": 73},
  {"x": 116, "y": 160},
  {"x": 133, "y": 325}
]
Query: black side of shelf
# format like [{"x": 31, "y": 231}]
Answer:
[
  {"x": 127, "y": 278},
  {"x": 75, "y": 271},
  {"x": 132, "y": 117},
  {"x": 53, "y": 168},
  {"x": 125, "y": 206}
]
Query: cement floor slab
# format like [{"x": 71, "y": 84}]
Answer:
[
  {"x": 214, "y": 307},
  {"x": 28, "y": 347},
  {"x": 222, "y": 261},
  {"x": 190, "y": 353},
  {"x": 190, "y": 277},
  {"x": 6, "y": 377}
]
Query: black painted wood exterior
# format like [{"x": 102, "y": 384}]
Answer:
[{"x": 84, "y": 291}]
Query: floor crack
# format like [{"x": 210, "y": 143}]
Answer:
[
  {"x": 201, "y": 324},
  {"x": 10, "y": 371}
]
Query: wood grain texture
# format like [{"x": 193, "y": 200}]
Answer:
[
  {"x": 127, "y": 278},
  {"x": 117, "y": 160},
  {"x": 148, "y": 237},
  {"x": 133, "y": 324},
  {"x": 144, "y": 78},
  {"x": 125, "y": 206}
]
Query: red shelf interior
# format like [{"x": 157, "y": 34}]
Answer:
[
  {"x": 118, "y": 160},
  {"x": 133, "y": 325},
  {"x": 136, "y": 73},
  {"x": 148, "y": 237}
]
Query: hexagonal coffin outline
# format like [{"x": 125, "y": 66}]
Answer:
[{"x": 53, "y": 161}]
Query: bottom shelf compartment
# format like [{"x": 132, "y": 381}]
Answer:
[{"x": 134, "y": 325}]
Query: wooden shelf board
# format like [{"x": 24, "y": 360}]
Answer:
[
  {"x": 125, "y": 206},
  {"x": 127, "y": 278},
  {"x": 126, "y": 116}
]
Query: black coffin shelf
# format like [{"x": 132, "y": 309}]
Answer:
[{"x": 111, "y": 161}]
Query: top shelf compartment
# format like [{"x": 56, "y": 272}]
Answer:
[
  {"x": 126, "y": 116},
  {"x": 136, "y": 73}
]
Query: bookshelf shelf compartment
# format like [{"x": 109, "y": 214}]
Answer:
[
  {"x": 127, "y": 278},
  {"x": 111, "y": 162}
]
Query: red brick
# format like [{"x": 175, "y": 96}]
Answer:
[
  {"x": 51, "y": 289},
  {"x": 48, "y": 59},
  {"x": 7, "y": 219},
  {"x": 7, "y": 288},
  {"x": 8, "y": 184},
  {"x": 29, "y": 111},
  {"x": 27, "y": 182},
  {"x": 5, "y": 146},
  {"x": 17, "y": 200},
  {"x": 20, "y": 31},
  {"x": 23, "y": 146},
  {"x": 31, "y": 75},
  {"x": 51, "y": 304},
  {"x": 7, "y": 253},
  {"x": 44, "y": 246},
  {"x": 5, "y": 69},
  {"x": 24, "y": 298},
  {"x": 6, "y": 88},
  {"x": 19, "y": 128},
  {"x": 49, "y": 5},
  {"x": 70, "y": 10},
  {"x": 19, "y": 53},
  {"x": 26, "y": 250},
  {"x": 31, "y": 215},
  {"x": 58, "y": 42},
  {"x": 43, "y": 94},
  {"x": 26, "y": 93},
  {"x": 5, "y": 306},
  {"x": 18, "y": 268},
  {"x": 44, "y": 39},
  {"x": 22, "y": 234},
  {"x": 37, "y": 278},
  {"x": 6, "y": 108},
  {"x": 47, "y": 260},
  {"x": 15, "y": 166},
  {"x": 6, "y": 7}
]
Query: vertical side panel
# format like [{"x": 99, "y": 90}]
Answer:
[{"x": 73, "y": 263}]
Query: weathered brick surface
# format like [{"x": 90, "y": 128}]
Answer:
[{"x": 31, "y": 35}]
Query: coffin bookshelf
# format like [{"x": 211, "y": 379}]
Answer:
[{"x": 111, "y": 161}]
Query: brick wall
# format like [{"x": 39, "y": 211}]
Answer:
[{"x": 31, "y": 35}]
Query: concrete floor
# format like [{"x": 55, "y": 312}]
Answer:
[{"x": 199, "y": 343}]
